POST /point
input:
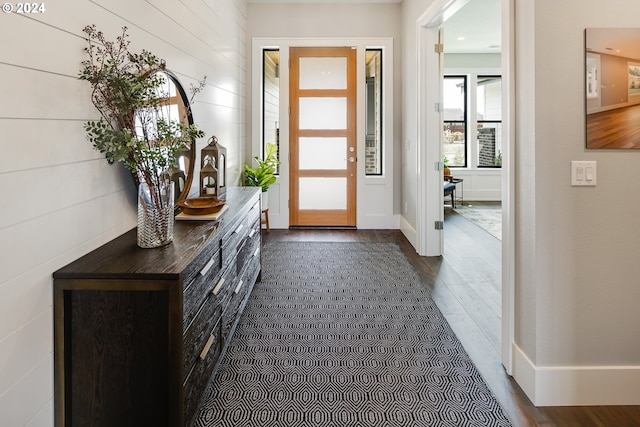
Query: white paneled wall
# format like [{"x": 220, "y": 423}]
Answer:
[{"x": 61, "y": 198}]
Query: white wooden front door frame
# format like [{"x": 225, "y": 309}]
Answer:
[{"x": 374, "y": 199}]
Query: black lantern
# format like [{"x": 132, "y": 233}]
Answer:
[
  {"x": 218, "y": 153},
  {"x": 208, "y": 179}
]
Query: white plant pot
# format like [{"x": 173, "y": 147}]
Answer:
[{"x": 265, "y": 200}]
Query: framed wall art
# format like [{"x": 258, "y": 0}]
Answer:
[{"x": 612, "y": 88}]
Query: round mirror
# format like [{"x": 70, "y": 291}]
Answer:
[{"x": 178, "y": 109}]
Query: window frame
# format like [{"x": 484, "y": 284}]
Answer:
[
  {"x": 380, "y": 100},
  {"x": 478, "y": 122},
  {"x": 465, "y": 120},
  {"x": 263, "y": 137}
]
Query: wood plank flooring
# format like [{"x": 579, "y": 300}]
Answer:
[
  {"x": 614, "y": 129},
  {"x": 465, "y": 283}
]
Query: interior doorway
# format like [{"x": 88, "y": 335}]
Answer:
[{"x": 430, "y": 81}]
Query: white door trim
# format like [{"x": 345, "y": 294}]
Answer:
[
  {"x": 429, "y": 147},
  {"x": 508, "y": 186}
]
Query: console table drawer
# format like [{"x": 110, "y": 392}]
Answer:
[
  {"x": 248, "y": 245},
  {"x": 202, "y": 285},
  {"x": 239, "y": 295},
  {"x": 197, "y": 334},
  {"x": 199, "y": 375},
  {"x": 231, "y": 241}
]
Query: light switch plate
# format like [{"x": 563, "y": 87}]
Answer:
[{"x": 583, "y": 173}]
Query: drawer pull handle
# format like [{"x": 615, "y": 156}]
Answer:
[
  {"x": 207, "y": 267},
  {"x": 257, "y": 251},
  {"x": 207, "y": 347},
  {"x": 218, "y": 286},
  {"x": 252, "y": 232},
  {"x": 237, "y": 289},
  {"x": 240, "y": 227}
]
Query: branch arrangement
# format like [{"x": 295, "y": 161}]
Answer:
[{"x": 131, "y": 92}]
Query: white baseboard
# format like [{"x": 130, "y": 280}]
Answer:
[
  {"x": 482, "y": 195},
  {"x": 409, "y": 232},
  {"x": 396, "y": 220},
  {"x": 576, "y": 385},
  {"x": 378, "y": 222}
]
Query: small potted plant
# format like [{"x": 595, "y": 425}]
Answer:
[
  {"x": 264, "y": 175},
  {"x": 447, "y": 171}
]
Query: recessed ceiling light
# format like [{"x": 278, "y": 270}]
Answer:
[{"x": 461, "y": 38}]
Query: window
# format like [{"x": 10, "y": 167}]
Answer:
[
  {"x": 455, "y": 120},
  {"x": 472, "y": 112},
  {"x": 373, "y": 95},
  {"x": 271, "y": 100},
  {"x": 489, "y": 121}
]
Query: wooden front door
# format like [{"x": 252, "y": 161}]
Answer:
[{"x": 323, "y": 136}]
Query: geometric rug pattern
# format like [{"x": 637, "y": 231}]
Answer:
[{"x": 345, "y": 334}]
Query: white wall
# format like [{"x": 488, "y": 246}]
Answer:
[
  {"x": 410, "y": 174},
  {"x": 577, "y": 287},
  {"x": 61, "y": 198}
]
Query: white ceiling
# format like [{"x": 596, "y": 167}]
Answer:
[
  {"x": 478, "y": 22},
  {"x": 623, "y": 42}
]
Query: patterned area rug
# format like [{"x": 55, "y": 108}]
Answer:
[
  {"x": 344, "y": 334},
  {"x": 488, "y": 218}
]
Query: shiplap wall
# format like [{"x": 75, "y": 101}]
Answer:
[{"x": 61, "y": 198}]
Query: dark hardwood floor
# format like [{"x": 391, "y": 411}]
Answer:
[{"x": 465, "y": 283}]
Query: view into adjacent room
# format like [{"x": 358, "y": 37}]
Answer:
[{"x": 472, "y": 154}]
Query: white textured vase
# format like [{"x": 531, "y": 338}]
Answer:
[{"x": 155, "y": 215}]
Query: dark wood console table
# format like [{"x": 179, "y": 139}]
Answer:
[{"x": 138, "y": 332}]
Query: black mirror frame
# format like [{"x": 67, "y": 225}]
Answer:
[{"x": 192, "y": 149}]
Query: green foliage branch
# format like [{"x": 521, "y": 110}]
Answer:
[{"x": 130, "y": 90}]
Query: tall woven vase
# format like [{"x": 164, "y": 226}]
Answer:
[{"x": 155, "y": 215}]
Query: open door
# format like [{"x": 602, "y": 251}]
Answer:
[{"x": 430, "y": 187}]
